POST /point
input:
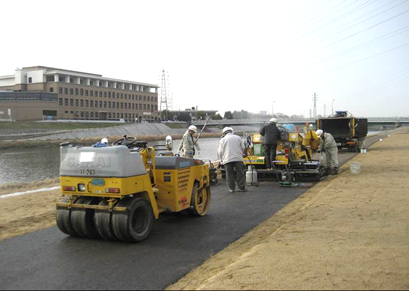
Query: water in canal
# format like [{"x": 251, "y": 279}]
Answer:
[{"x": 40, "y": 163}]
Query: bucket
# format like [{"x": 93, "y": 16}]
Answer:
[{"x": 355, "y": 168}]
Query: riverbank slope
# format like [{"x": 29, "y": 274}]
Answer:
[{"x": 348, "y": 232}]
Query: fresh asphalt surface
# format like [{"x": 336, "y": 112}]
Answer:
[{"x": 49, "y": 259}]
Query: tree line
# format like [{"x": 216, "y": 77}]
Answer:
[{"x": 201, "y": 115}]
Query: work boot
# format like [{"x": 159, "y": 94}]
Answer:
[
  {"x": 334, "y": 171},
  {"x": 328, "y": 171}
]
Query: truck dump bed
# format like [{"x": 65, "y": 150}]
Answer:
[{"x": 344, "y": 127}]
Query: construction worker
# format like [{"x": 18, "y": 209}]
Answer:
[
  {"x": 230, "y": 152},
  {"x": 271, "y": 137},
  {"x": 329, "y": 146},
  {"x": 311, "y": 141},
  {"x": 188, "y": 144}
]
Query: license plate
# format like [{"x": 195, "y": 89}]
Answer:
[{"x": 98, "y": 182}]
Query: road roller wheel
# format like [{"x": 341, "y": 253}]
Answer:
[
  {"x": 200, "y": 202},
  {"x": 63, "y": 218},
  {"x": 102, "y": 220},
  {"x": 82, "y": 220},
  {"x": 134, "y": 224}
]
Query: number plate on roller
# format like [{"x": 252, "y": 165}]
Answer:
[{"x": 98, "y": 182}]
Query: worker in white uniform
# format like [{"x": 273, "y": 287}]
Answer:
[
  {"x": 230, "y": 152},
  {"x": 329, "y": 146},
  {"x": 188, "y": 144}
]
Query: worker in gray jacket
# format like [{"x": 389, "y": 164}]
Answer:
[
  {"x": 188, "y": 144},
  {"x": 230, "y": 152},
  {"x": 329, "y": 146}
]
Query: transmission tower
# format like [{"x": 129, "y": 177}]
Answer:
[{"x": 165, "y": 99}]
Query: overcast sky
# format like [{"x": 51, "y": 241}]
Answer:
[{"x": 226, "y": 55}]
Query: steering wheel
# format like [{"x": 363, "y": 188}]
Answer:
[{"x": 126, "y": 141}]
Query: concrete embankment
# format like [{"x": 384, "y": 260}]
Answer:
[{"x": 348, "y": 232}]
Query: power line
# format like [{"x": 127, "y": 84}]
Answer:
[
  {"x": 394, "y": 33},
  {"x": 304, "y": 27},
  {"x": 354, "y": 34},
  {"x": 362, "y": 59},
  {"x": 340, "y": 17},
  {"x": 350, "y": 26}
]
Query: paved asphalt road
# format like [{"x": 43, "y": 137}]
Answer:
[{"x": 48, "y": 259}]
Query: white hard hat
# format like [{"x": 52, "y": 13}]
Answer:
[
  {"x": 273, "y": 120},
  {"x": 319, "y": 132},
  {"x": 192, "y": 127},
  {"x": 104, "y": 140},
  {"x": 311, "y": 125},
  {"x": 226, "y": 129}
]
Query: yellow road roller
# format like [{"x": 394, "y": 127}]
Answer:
[{"x": 116, "y": 192}]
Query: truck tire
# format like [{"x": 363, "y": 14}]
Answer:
[{"x": 134, "y": 224}]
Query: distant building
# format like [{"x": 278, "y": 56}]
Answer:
[{"x": 75, "y": 95}]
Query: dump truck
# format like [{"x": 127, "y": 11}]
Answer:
[
  {"x": 348, "y": 131},
  {"x": 116, "y": 192}
]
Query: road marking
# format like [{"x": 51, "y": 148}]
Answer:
[{"x": 29, "y": 192}]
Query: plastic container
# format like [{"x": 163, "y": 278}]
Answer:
[
  {"x": 251, "y": 176},
  {"x": 355, "y": 168}
]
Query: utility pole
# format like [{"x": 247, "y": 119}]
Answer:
[
  {"x": 315, "y": 98},
  {"x": 332, "y": 111},
  {"x": 272, "y": 109}
]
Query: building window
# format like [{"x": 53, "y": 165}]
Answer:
[
  {"x": 76, "y": 102},
  {"x": 113, "y": 105},
  {"x": 76, "y": 91},
  {"x": 30, "y": 80},
  {"x": 105, "y": 104},
  {"x": 105, "y": 94},
  {"x": 100, "y": 93},
  {"x": 126, "y": 105},
  {"x": 140, "y": 106},
  {"x": 109, "y": 104},
  {"x": 92, "y": 114},
  {"x": 71, "y": 102},
  {"x": 60, "y": 90},
  {"x": 91, "y": 93},
  {"x": 113, "y": 94},
  {"x": 96, "y": 114},
  {"x": 91, "y": 83},
  {"x": 91, "y": 103},
  {"x": 66, "y": 102},
  {"x": 109, "y": 94},
  {"x": 60, "y": 101},
  {"x": 82, "y": 92},
  {"x": 86, "y": 103},
  {"x": 100, "y": 104},
  {"x": 66, "y": 91},
  {"x": 82, "y": 103},
  {"x": 96, "y": 104},
  {"x": 51, "y": 89},
  {"x": 71, "y": 91},
  {"x": 86, "y": 92}
]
